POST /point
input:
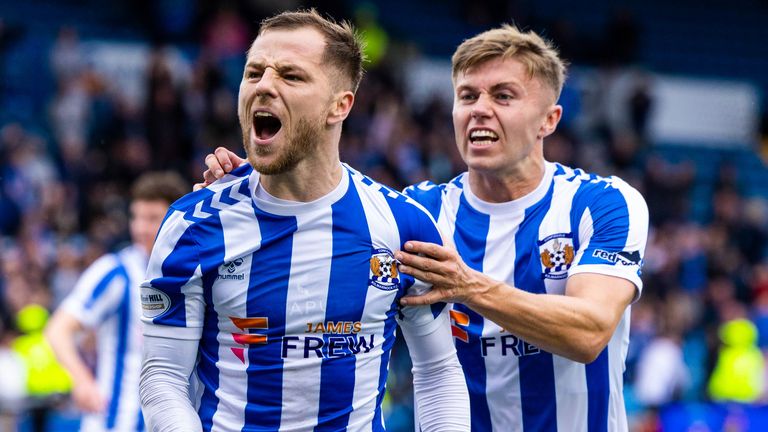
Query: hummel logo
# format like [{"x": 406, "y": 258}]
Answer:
[{"x": 231, "y": 267}]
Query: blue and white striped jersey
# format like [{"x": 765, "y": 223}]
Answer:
[
  {"x": 295, "y": 305},
  {"x": 573, "y": 222},
  {"x": 106, "y": 299}
]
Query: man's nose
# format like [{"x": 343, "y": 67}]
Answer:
[
  {"x": 266, "y": 84},
  {"x": 482, "y": 107}
]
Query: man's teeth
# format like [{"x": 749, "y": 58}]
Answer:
[
  {"x": 263, "y": 114},
  {"x": 481, "y": 134}
]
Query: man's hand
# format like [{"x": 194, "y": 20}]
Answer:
[
  {"x": 88, "y": 397},
  {"x": 219, "y": 163},
  {"x": 452, "y": 280}
]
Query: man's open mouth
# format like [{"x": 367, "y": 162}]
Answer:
[
  {"x": 483, "y": 136},
  {"x": 265, "y": 125}
]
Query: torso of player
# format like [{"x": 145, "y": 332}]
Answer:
[
  {"x": 535, "y": 243},
  {"x": 300, "y": 306},
  {"x": 548, "y": 255}
]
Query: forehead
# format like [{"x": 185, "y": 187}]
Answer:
[
  {"x": 495, "y": 71},
  {"x": 142, "y": 206},
  {"x": 303, "y": 45}
]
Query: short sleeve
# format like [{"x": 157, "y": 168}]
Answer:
[
  {"x": 612, "y": 233},
  {"x": 98, "y": 292},
  {"x": 420, "y": 319}
]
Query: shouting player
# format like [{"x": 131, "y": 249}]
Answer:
[{"x": 277, "y": 287}]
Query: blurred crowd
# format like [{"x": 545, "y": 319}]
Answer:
[{"x": 63, "y": 198}]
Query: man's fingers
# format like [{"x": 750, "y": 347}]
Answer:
[
  {"x": 432, "y": 278},
  {"x": 223, "y": 158},
  {"x": 428, "y": 298},
  {"x": 227, "y": 159},
  {"x": 214, "y": 167},
  {"x": 431, "y": 249},
  {"x": 198, "y": 186},
  {"x": 209, "y": 177},
  {"x": 420, "y": 262}
]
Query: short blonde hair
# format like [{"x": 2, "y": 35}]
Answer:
[{"x": 538, "y": 55}]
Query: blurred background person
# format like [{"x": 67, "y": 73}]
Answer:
[{"x": 106, "y": 300}]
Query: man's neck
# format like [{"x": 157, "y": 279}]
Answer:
[
  {"x": 308, "y": 181},
  {"x": 495, "y": 187}
]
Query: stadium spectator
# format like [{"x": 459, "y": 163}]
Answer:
[
  {"x": 47, "y": 381},
  {"x": 300, "y": 249},
  {"x": 105, "y": 299},
  {"x": 739, "y": 374}
]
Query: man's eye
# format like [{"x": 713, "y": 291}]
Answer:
[
  {"x": 253, "y": 75},
  {"x": 467, "y": 97},
  {"x": 291, "y": 77},
  {"x": 505, "y": 96}
]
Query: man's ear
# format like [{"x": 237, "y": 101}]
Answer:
[
  {"x": 340, "y": 108},
  {"x": 554, "y": 114}
]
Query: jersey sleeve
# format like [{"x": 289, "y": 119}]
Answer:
[
  {"x": 172, "y": 294},
  {"x": 612, "y": 233},
  {"x": 428, "y": 195},
  {"x": 440, "y": 390},
  {"x": 98, "y": 292},
  {"x": 420, "y": 320}
]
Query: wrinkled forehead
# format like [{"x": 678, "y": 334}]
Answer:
[{"x": 302, "y": 44}]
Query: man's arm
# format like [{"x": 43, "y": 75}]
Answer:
[
  {"x": 439, "y": 387},
  {"x": 61, "y": 333},
  {"x": 164, "y": 385},
  {"x": 577, "y": 325},
  {"x": 173, "y": 312}
]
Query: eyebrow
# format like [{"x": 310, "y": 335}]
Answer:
[
  {"x": 511, "y": 84},
  {"x": 495, "y": 87},
  {"x": 280, "y": 68}
]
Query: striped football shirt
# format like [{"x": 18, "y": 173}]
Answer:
[
  {"x": 295, "y": 305},
  {"x": 106, "y": 299},
  {"x": 573, "y": 222}
]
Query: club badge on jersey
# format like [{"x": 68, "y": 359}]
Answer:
[
  {"x": 383, "y": 274},
  {"x": 557, "y": 255}
]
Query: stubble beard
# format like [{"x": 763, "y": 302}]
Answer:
[{"x": 301, "y": 141}]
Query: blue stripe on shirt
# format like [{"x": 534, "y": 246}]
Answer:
[
  {"x": 347, "y": 290},
  {"x": 428, "y": 195},
  {"x": 414, "y": 224},
  {"x": 389, "y": 341},
  {"x": 177, "y": 268},
  {"x": 599, "y": 390},
  {"x": 537, "y": 375},
  {"x": 101, "y": 288},
  {"x": 267, "y": 296},
  {"x": 470, "y": 237},
  {"x": 610, "y": 225},
  {"x": 211, "y": 256}
]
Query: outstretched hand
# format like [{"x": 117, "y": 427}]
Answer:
[
  {"x": 219, "y": 163},
  {"x": 452, "y": 280}
]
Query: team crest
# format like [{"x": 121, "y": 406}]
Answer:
[
  {"x": 384, "y": 274},
  {"x": 556, "y": 255}
]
